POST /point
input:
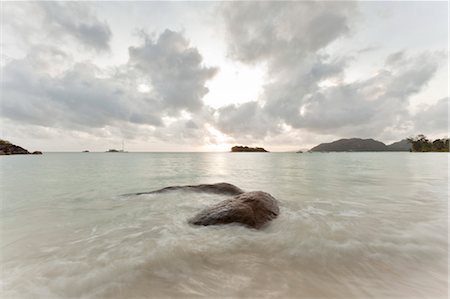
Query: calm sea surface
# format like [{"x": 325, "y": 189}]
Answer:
[{"x": 352, "y": 225}]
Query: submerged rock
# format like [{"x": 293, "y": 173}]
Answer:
[
  {"x": 219, "y": 188},
  {"x": 253, "y": 209}
]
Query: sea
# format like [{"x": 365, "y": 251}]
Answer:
[{"x": 351, "y": 225}]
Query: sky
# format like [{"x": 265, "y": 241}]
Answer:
[{"x": 204, "y": 76}]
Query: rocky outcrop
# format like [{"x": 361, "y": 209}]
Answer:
[
  {"x": 253, "y": 209},
  {"x": 7, "y": 148},
  {"x": 36, "y": 153},
  {"x": 220, "y": 188},
  {"x": 235, "y": 149}
]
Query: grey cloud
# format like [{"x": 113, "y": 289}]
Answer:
[
  {"x": 323, "y": 70},
  {"x": 368, "y": 49},
  {"x": 361, "y": 108},
  {"x": 412, "y": 75},
  {"x": 84, "y": 97},
  {"x": 395, "y": 58},
  {"x": 433, "y": 118},
  {"x": 56, "y": 23},
  {"x": 289, "y": 41},
  {"x": 244, "y": 121},
  {"x": 75, "y": 99},
  {"x": 76, "y": 20},
  {"x": 292, "y": 39},
  {"x": 274, "y": 31},
  {"x": 174, "y": 70}
]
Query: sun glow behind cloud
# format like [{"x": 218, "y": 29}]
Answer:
[{"x": 235, "y": 84}]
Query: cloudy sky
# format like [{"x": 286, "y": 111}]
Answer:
[{"x": 202, "y": 76}]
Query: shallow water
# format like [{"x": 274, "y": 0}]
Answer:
[{"x": 352, "y": 225}]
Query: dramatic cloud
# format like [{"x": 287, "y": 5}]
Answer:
[
  {"x": 76, "y": 98},
  {"x": 86, "y": 97},
  {"x": 174, "y": 71},
  {"x": 307, "y": 87},
  {"x": 76, "y": 21},
  {"x": 56, "y": 23},
  {"x": 369, "y": 104},
  {"x": 283, "y": 32},
  {"x": 288, "y": 42},
  {"x": 246, "y": 121}
]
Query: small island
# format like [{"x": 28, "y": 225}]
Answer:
[
  {"x": 112, "y": 151},
  {"x": 7, "y": 148},
  {"x": 236, "y": 149}
]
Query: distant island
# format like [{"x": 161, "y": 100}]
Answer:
[
  {"x": 362, "y": 145},
  {"x": 236, "y": 149},
  {"x": 416, "y": 144},
  {"x": 115, "y": 151},
  {"x": 7, "y": 148}
]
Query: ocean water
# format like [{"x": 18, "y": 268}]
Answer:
[{"x": 352, "y": 225}]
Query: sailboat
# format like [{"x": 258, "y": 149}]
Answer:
[
  {"x": 118, "y": 151},
  {"x": 123, "y": 148}
]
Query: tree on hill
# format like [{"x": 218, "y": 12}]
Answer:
[
  {"x": 4, "y": 142},
  {"x": 421, "y": 143}
]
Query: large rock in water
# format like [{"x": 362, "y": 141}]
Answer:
[{"x": 253, "y": 209}]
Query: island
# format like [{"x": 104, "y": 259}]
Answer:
[
  {"x": 416, "y": 144},
  {"x": 362, "y": 145},
  {"x": 7, "y": 148},
  {"x": 236, "y": 149}
]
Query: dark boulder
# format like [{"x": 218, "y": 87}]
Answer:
[
  {"x": 37, "y": 153},
  {"x": 253, "y": 209}
]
